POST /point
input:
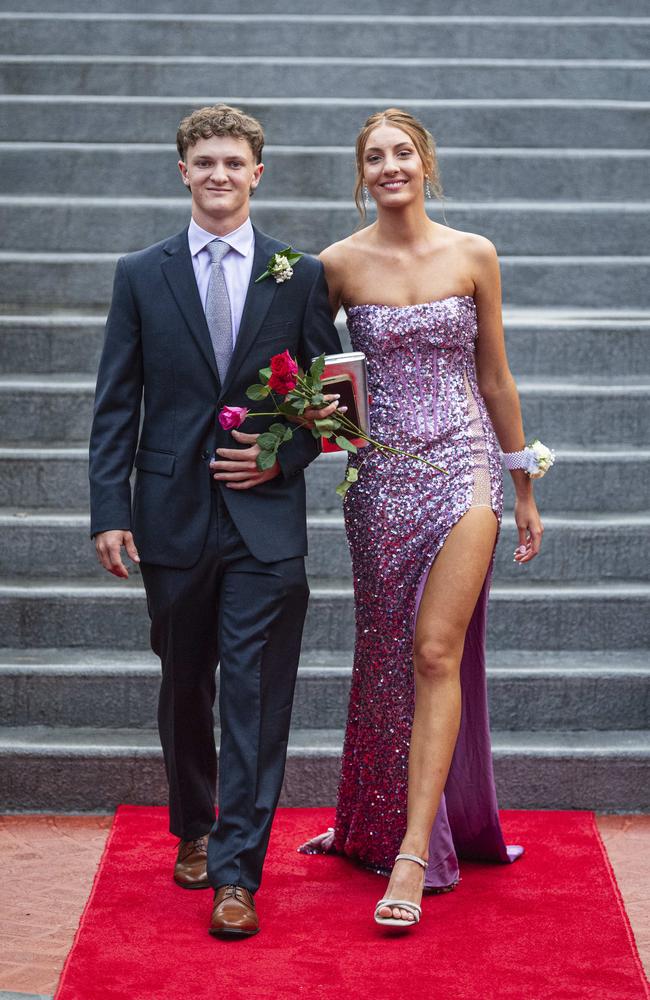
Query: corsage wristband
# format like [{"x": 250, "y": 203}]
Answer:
[{"x": 535, "y": 459}]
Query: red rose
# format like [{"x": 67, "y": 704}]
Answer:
[
  {"x": 282, "y": 385},
  {"x": 284, "y": 365}
]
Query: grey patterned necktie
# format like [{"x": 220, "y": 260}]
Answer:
[{"x": 217, "y": 309}]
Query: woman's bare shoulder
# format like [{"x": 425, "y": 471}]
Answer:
[
  {"x": 473, "y": 244},
  {"x": 340, "y": 253}
]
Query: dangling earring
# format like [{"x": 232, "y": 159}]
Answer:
[
  {"x": 366, "y": 196},
  {"x": 427, "y": 188}
]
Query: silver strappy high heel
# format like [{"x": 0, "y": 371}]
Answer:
[{"x": 403, "y": 904}]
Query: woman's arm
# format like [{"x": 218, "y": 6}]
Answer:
[
  {"x": 499, "y": 391},
  {"x": 334, "y": 270},
  {"x": 328, "y": 259}
]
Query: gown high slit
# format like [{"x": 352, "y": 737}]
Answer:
[{"x": 425, "y": 400}]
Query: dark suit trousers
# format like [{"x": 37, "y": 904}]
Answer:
[{"x": 247, "y": 616}]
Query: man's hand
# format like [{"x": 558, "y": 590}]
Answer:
[
  {"x": 108, "y": 545},
  {"x": 237, "y": 467}
]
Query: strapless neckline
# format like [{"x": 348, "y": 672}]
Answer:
[{"x": 416, "y": 305}]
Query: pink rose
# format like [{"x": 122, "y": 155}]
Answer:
[{"x": 232, "y": 416}]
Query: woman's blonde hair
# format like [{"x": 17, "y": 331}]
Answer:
[{"x": 417, "y": 133}]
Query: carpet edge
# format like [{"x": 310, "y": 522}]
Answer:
[
  {"x": 82, "y": 918},
  {"x": 621, "y": 907}
]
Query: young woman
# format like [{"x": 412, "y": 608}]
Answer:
[{"x": 423, "y": 303}]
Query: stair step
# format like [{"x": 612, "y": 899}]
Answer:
[
  {"x": 85, "y": 280},
  {"x": 76, "y": 769},
  {"x": 576, "y": 549},
  {"x": 528, "y": 689},
  {"x": 112, "y": 613},
  {"x": 305, "y": 121},
  {"x": 509, "y": 8},
  {"x": 516, "y": 228},
  {"x": 150, "y": 169},
  {"x": 56, "y": 477},
  {"x": 540, "y": 342},
  {"x": 59, "y": 408},
  {"x": 622, "y": 79},
  {"x": 323, "y": 34}
]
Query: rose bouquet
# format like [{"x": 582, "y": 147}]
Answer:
[{"x": 292, "y": 392}]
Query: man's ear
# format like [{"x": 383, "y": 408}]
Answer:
[
  {"x": 183, "y": 169},
  {"x": 257, "y": 173}
]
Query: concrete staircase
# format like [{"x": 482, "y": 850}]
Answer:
[{"x": 541, "y": 123}]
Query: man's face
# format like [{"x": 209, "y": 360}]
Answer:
[{"x": 221, "y": 172}]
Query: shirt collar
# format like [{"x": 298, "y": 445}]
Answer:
[{"x": 241, "y": 239}]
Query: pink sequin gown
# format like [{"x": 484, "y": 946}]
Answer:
[{"x": 425, "y": 399}]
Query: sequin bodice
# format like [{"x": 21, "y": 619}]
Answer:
[
  {"x": 417, "y": 356},
  {"x": 424, "y": 393}
]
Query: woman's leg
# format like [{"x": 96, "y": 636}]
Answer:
[{"x": 448, "y": 601}]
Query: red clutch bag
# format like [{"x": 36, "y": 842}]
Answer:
[{"x": 347, "y": 375}]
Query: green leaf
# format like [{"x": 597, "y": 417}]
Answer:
[
  {"x": 346, "y": 445},
  {"x": 316, "y": 434},
  {"x": 343, "y": 488},
  {"x": 326, "y": 425},
  {"x": 292, "y": 255},
  {"x": 295, "y": 398},
  {"x": 265, "y": 375},
  {"x": 288, "y": 408},
  {"x": 351, "y": 474},
  {"x": 268, "y": 442},
  {"x": 317, "y": 368},
  {"x": 262, "y": 277},
  {"x": 288, "y": 434},
  {"x": 265, "y": 460},
  {"x": 317, "y": 399},
  {"x": 278, "y": 430},
  {"x": 257, "y": 391}
]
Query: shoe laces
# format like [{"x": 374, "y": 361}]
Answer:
[
  {"x": 199, "y": 845},
  {"x": 235, "y": 892}
]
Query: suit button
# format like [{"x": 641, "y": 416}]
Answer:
[{"x": 205, "y": 455}]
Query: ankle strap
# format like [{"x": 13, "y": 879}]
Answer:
[{"x": 412, "y": 857}]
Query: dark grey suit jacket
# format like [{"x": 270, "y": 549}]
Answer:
[{"x": 157, "y": 343}]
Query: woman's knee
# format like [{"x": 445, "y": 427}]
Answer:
[{"x": 435, "y": 661}]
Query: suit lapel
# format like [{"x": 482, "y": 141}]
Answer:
[
  {"x": 179, "y": 273},
  {"x": 256, "y": 306}
]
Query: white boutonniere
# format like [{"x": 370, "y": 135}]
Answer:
[{"x": 280, "y": 265}]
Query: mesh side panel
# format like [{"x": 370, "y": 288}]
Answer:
[{"x": 482, "y": 496}]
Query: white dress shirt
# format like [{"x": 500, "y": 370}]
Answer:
[{"x": 237, "y": 265}]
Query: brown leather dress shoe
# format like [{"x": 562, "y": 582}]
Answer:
[
  {"x": 233, "y": 914},
  {"x": 190, "y": 870}
]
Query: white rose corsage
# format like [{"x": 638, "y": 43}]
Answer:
[
  {"x": 535, "y": 459},
  {"x": 280, "y": 265}
]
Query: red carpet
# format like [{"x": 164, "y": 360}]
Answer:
[{"x": 550, "y": 926}]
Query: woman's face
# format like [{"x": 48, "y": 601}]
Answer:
[{"x": 392, "y": 169}]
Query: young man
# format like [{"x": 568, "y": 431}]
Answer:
[{"x": 221, "y": 545}]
